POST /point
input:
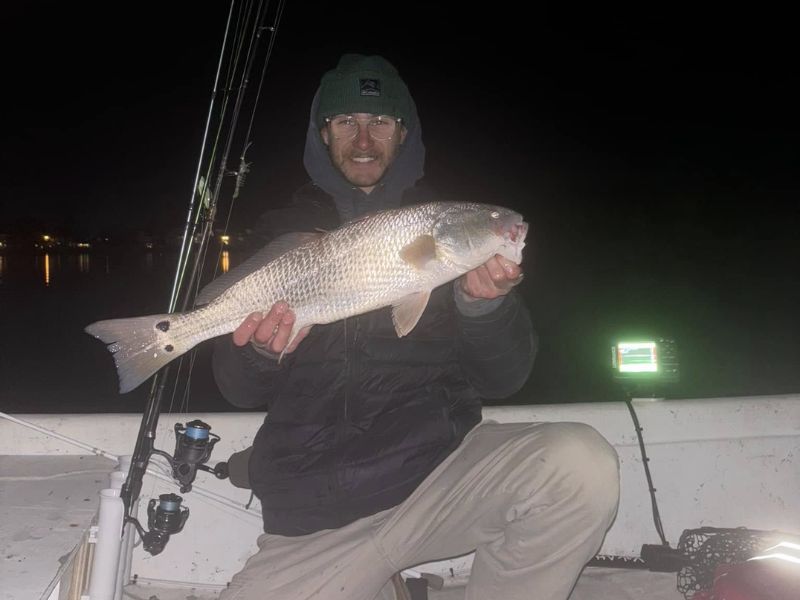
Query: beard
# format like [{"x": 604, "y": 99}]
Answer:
[{"x": 363, "y": 167}]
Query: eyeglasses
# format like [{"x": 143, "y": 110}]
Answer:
[{"x": 379, "y": 127}]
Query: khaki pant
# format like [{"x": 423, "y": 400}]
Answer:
[{"x": 533, "y": 500}]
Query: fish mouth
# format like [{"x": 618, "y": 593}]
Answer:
[
  {"x": 514, "y": 241},
  {"x": 517, "y": 232}
]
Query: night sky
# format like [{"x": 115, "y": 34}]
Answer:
[
  {"x": 578, "y": 112},
  {"x": 650, "y": 148}
]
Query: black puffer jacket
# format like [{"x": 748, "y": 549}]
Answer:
[{"x": 357, "y": 417}]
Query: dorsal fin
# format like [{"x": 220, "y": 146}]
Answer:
[{"x": 280, "y": 245}]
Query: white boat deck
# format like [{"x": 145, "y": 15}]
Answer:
[
  {"x": 728, "y": 462},
  {"x": 47, "y": 504}
]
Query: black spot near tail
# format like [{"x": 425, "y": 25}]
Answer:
[
  {"x": 163, "y": 326},
  {"x": 169, "y": 348}
]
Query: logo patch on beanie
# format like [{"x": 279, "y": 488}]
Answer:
[{"x": 370, "y": 87}]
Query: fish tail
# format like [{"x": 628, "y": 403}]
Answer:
[{"x": 140, "y": 345}]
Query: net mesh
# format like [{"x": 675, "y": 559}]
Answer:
[{"x": 707, "y": 547}]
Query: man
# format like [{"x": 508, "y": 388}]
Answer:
[{"x": 371, "y": 459}]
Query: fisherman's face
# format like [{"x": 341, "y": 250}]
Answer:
[{"x": 362, "y": 159}]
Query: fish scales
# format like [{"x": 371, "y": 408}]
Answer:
[{"x": 354, "y": 268}]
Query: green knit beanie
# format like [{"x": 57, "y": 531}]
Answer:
[{"x": 363, "y": 84}]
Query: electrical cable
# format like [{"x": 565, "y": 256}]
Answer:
[{"x": 645, "y": 464}]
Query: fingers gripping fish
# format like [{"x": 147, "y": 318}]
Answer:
[{"x": 392, "y": 258}]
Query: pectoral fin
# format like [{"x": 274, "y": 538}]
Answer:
[
  {"x": 407, "y": 311},
  {"x": 419, "y": 252}
]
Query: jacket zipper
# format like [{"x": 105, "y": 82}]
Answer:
[
  {"x": 350, "y": 370},
  {"x": 351, "y": 358}
]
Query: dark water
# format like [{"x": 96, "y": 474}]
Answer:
[
  {"x": 47, "y": 362},
  {"x": 732, "y": 307}
]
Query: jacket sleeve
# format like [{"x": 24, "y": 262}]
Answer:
[
  {"x": 245, "y": 377},
  {"x": 497, "y": 348}
]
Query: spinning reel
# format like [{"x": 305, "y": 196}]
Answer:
[
  {"x": 193, "y": 446},
  {"x": 166, "y": 516}
]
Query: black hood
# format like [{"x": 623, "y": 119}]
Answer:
[{"x": 402, "y": 174}]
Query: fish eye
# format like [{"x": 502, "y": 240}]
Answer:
[{"x": 494, "y": 214}]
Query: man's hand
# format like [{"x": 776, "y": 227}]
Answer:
[
  {"x": 270, "y": 331},
  {"x": 492, "y": 279}
]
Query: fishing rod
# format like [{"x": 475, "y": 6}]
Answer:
[
  {"x": 194, "y": 441},
  {"x": 145, "y": 439}
]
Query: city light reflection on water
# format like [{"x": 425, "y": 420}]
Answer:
[
  {"x": 49, "y": 266},
  {"x": 83, "y": 263},
  {"x": 50, "y": 269},
  {"x": 225, "y": 261},
  {"x": 55, "y": 294}
]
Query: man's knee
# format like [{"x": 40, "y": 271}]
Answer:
[{"x": 582, "y": 461}]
